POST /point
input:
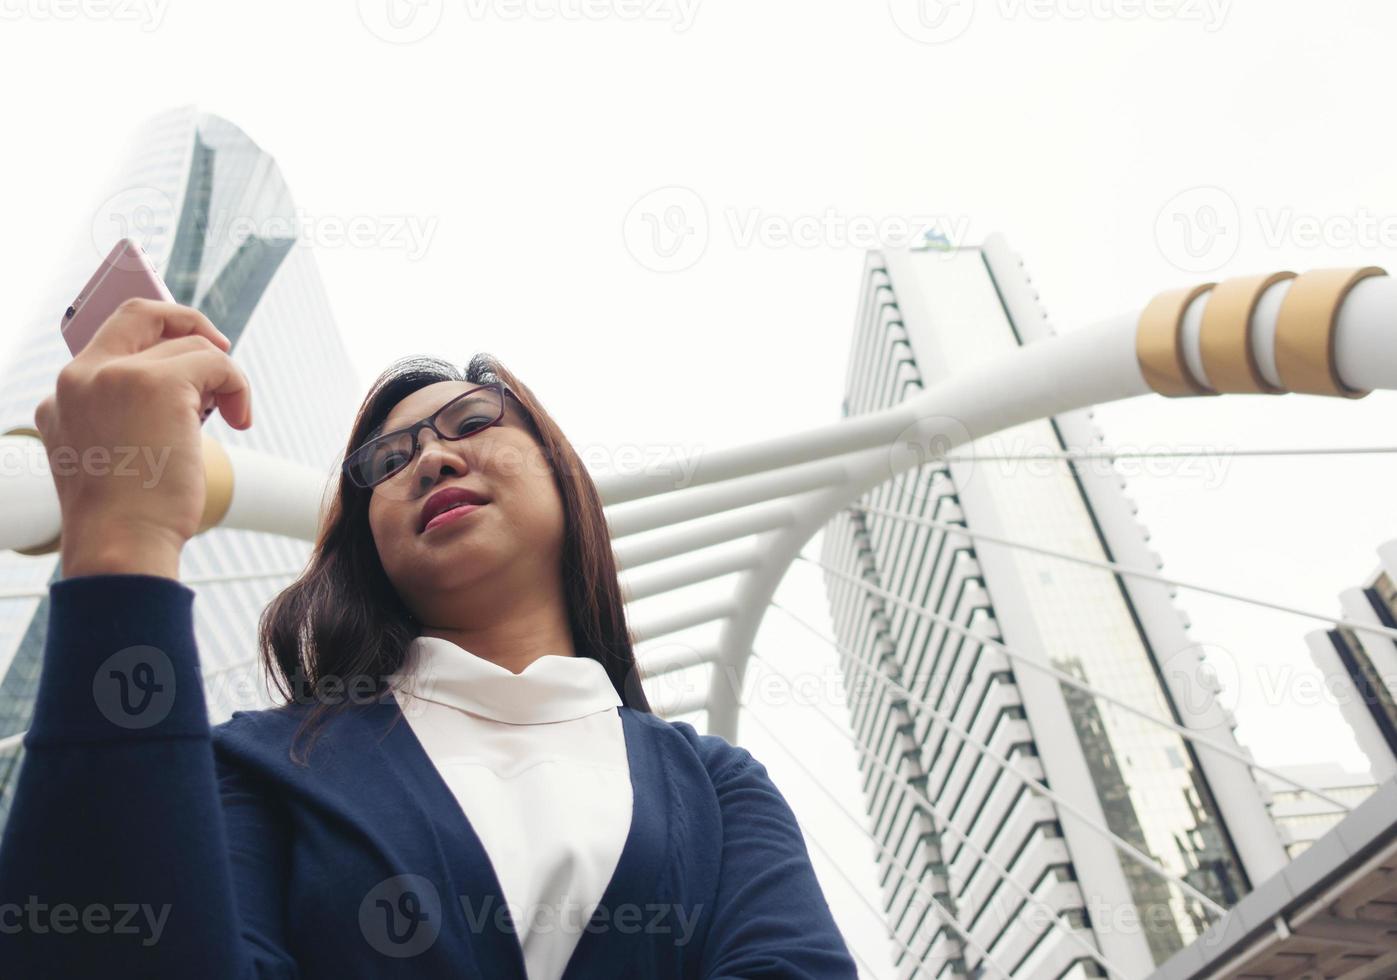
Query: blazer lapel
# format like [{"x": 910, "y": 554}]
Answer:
[
  {"x": 603, "y": 948},
  {"x": 478, "y": 912}
]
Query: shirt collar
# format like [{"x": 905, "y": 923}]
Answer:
[{"x": 552, "y": 688}]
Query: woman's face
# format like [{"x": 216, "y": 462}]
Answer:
[{"x": 443, "y": 563}]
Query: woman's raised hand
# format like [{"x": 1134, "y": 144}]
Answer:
[{"x": 122, "y": 433}]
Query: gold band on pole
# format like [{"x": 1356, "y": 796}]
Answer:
[
  {"x": 218, "y": 489},
  {"x": 218, "y": 483},
  {"x": 1225, "y": 338},
  {"x": 1159, "y": 343},
  {"x": 1306, "y": 327}
]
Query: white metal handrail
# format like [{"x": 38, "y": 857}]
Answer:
[
  {"x": 1111, "y": 566},
  {"x": 1062, "y": 676},
  {"x": 1116, "y": 841}
]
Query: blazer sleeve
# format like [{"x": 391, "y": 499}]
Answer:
[
  {"x": 128, "y": 851},
  {"x": 770, "y": 918}
]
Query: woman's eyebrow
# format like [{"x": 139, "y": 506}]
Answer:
[{"x": 381, "y": 428}]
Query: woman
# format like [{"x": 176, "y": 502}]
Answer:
[{"x": 465, "y": 781}]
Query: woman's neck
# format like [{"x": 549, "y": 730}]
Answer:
[{"x": 512, "y": 642}]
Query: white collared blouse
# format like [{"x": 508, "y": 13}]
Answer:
[{"x": 537, "y": 761}]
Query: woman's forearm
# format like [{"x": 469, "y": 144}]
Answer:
[{"x": 114, "y": 860}]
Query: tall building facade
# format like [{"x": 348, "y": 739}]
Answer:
[
  {"x": 1361, "y": 667},
  {"x": 1028, "y": 882},
  {"x": 212, "y": 211}
]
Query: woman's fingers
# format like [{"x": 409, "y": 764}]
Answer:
[
  {"x": 43, "y": 415},
  {"x": 189, "y": 344},
  {"x": 141, "y": 323},
  {"x": 141, "y": 381},
  {"x": 215, "y": 373}
]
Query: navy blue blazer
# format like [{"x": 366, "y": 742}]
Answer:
[{"x": 144, "y": 843}]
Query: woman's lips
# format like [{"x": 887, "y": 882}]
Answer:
[{"x": 446, "y": 516}]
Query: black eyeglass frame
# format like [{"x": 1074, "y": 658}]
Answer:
[{"x": 429, "y": 422}]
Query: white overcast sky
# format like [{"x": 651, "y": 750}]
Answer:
[{"x": 504, "y": 156}]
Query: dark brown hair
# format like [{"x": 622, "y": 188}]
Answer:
[{"x": 342, "y": 619}]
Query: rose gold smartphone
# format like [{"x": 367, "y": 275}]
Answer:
[{"x": 126, "y": 272}]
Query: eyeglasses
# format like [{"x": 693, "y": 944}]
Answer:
[{"x": 468, "y": 414}]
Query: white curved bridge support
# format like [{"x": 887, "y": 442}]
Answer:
[
  {"x": 1337, "y": 336},
  {"x": 1328, "y": 332}
]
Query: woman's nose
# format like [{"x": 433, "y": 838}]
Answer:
[{"x": 437, "y": 459}]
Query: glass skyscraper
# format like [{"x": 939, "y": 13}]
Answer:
[
  {"x": 212, "y": 211},
  {"x": 990, "y": 612}
]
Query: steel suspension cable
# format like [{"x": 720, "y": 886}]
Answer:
[
  {"x": 1065, "y": 678},
  {"x": 1073, "y": 454},
  {"x": 1120, "y": 843},
  {"x": 1111, "y": 566}
]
